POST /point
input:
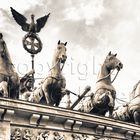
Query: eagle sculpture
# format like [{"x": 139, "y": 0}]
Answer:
[{"x": 32, "y": 27}]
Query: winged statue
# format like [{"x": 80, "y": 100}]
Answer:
[{"x": 29, "y": 27}]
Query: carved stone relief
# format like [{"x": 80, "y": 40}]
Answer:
[{"x": 38, "y": 134}]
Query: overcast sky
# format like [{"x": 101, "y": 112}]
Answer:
[{"x": 92, "y": 28}]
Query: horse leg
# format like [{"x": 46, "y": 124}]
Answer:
[
  {"x": 104, "y": 99},
  {"x": 17, "y": 92},
  {"x": 14, "y": 92},
  {"x": 136, "y": 116},
  {"x": 111, "y": 99},
  {"x": 98, "y": 97},
  {"x": 100, "y": 101},
  {"x": 5, "y": 87},
  {"x": 47, "y": 97},
  {"x": 14, "y": 86},
  {"x": 47, "y": 90},
  {"x": 111, "y": 112}
]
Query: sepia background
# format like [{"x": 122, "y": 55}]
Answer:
[{"x": 92, "y": 28}]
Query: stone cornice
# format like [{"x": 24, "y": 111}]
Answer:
[{"x": 21, "y": 113}]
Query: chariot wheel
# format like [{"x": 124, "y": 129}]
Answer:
[{"x": 32, "y": 43}]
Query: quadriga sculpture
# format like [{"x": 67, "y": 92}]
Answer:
[
  {"x": 9, "y": 80},
  {"x": 131, "y": 111},
  {"x": 52, "y": 88},
  {"x": 103, "y": 100}
]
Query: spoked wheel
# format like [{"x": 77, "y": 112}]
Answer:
[{"x": 32, "y": 43}]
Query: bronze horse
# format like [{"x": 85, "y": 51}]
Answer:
[
  {"x": 52, "y": 88},
  {"x": 7, "y": 70},
  {"x": 103, "y": 100},
  {"x": 131, "y": 111}
]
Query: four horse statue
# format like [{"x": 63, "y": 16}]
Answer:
[
  {"x": 103, "y": 100},
  {"x": 52, "y": 88},
  {"x": 9, "y": 80},
  {"x": 131, "y": 111}
]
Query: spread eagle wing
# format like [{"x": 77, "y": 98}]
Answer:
[
  {"x": 20, "y": 19},
  {"x": 41, "y": 22}
]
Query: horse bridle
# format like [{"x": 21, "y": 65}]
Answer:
[
  {"x": 105, "y": 77},
  {"x": 56, "y": 64}
]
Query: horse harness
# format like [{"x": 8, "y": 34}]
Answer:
[
  {"x": 105, "y": 77},
  {"x": 112, "y": 92}
]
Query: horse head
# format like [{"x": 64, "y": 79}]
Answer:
[
  {"x": 61, "y": 52},
  {"x": 112, "y": 62}
]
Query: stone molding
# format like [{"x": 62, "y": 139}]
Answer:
[{"x": 25, "y": 114}]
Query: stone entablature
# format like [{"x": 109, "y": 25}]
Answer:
[{"x": 20, "y": 115}]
